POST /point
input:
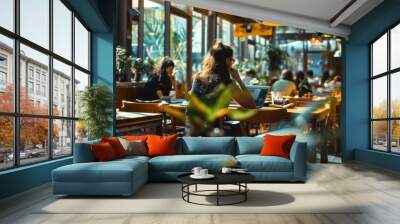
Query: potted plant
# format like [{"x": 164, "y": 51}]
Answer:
[{"x": 96, "y": 104}]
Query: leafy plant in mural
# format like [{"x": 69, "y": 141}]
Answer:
[
  {"x": 202, "y": 114},
  {"x": 153, "y": 34},
  {"x": 276, "y": 58},
  {"x": 122, "y": 62},
  {"x": 96, "y": 104}
]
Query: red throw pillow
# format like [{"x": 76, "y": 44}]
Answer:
[
  {"x": 103, "y": 152},
  {"x": 116, "y": 145},
  {"x": 277, "y": 145},
  {"x": 161, "y": 145}
]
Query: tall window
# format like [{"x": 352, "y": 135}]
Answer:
[
  {"x": 385, "y": 96},
  {"x": 37, "y": 65},
  {"x": 178, "y": 38}
]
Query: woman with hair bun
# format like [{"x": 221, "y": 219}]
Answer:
[{"x": 217, "y": 69}]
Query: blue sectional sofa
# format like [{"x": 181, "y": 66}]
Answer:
[{"x": 125, "y": 176}]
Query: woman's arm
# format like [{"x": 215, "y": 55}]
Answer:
[
  {"x": 242, "y": 96},
  {"x": 236, "y": 77}
]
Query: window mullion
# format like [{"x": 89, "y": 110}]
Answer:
[{"x": 16, "y": 84}]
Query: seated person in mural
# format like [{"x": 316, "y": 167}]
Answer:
[
  {"x": 302, "y": 84},
  {"x": 250, "y": 77},
  {"x": 285, "y": 86},
  {"x": 159, "y": 84},
  {"x": 217, "y": 69}
]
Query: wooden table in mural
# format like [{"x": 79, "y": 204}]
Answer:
[{"x": 133, "y": 121}]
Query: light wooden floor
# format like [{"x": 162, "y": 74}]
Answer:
[{"x": 379, "y": 189}]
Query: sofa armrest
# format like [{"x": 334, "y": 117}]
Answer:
[
  {"x": 83, "y": 152},
  {"x": 298, "y": 155}
]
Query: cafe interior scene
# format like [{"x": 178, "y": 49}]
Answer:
[{"x": 192, "y": 71}]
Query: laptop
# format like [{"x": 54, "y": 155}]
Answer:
[{"x": 259, "y": 93}]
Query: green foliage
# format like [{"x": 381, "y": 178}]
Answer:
[
  {"x": 122, "y": 59},
  {"x": 96, "y": 102},
  {"x": 276, "y": 58},
  {"x": 202, "y": 114}
]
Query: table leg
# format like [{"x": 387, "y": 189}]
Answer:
[
  {"x": 245, "y": 192},
  {"x": 195, "y": 188},
  {"x": 217, "y": 194}
]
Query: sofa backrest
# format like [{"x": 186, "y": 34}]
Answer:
[
  {"x": 206, "y": 145},
  {"x": 83, "y": 153},
  {"x": 249, "y": 145}
]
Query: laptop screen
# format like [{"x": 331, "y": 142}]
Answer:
[{"x": 258, "y": 93}]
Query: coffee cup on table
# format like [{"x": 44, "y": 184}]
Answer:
[
  {"x": 226, "y": 170},
  {"x": 196, "y": 171},
  {"x": 203, "y": 172}
]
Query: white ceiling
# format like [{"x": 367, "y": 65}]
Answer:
[{"x": 315, "y": 15}]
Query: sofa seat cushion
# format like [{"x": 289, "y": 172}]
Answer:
[
  {"x": 257, "y": 163},
  {"x": 185, "y": 163},
  {"x": 112, "y": 171}
]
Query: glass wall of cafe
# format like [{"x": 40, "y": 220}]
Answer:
[{"x": 162, "y": 28}]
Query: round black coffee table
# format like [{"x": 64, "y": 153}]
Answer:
[{"x": 238, "y": 179}]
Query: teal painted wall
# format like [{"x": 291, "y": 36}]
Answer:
[
  {"x": 100, "y": 16},
  {"x": 356, "y": 86}
]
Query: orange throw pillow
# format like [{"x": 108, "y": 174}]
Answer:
[
  {"x": 161, "y": 145},
  {"x": 103, "y": 152},
  {"x": 136, "y": 137},
  {"x": 116, "y": 145},
  {"x": 277, "y": 145}
]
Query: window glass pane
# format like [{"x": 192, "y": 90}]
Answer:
[
  {"x": 62, "y": 89},
  {"x": 226, "y": 32},
  {"x": 379, "y": 135},
  {"x": 62, "y": 138},
  {"x": 7, "y": 14},
  {"x": 35, "y": 21},
  {"x": 395, "y": 136},
  {"x": 196, "y": 42},
  {"x": 379, "y": 98},
  {"x": 6, "y": 74},
  {"x": 179, "y": 47},
  {"x": 81, "y": 132},
  {"x": 81, "y": 45},
  {"x": 62, "y": 29},
  {"x": 33, "y": 139},
  {"x": 379, "y": 55},
  {"x": 81, "y": 81},
  {"x": 395, "y": 95},
  {"x": 34, "y": 72},
  {"x": 153, "y": 43},
  {"x": 395, "y": 47},
  {"x": 6, "y": 142}
]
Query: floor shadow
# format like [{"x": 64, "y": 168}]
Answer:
[{"x": 255, "y": 198}]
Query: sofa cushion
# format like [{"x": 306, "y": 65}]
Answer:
[
  {"x": 207, "y": 145},
  {"x": 134, "y": 147},
  {"x": 249, "y": 145},
  {"x": 277, "y": 145},
  {"x": 116, "y": 145},
  {"x": 112, "y": 171},
  {"x": 257, "y": 163},
  {"x": 103, "y": 152},
  {"x": 161, "y": 145},
  {"x": 185, "y": 163}
]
